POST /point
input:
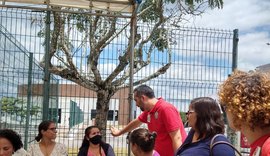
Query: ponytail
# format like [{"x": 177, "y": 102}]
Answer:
[{"x": 38, "y": 137}]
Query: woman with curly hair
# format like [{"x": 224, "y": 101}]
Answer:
[
  {"x": 206, "y": 122},
  {"x": 10, "y": 142},
  {"x": 246, "y": 99}
]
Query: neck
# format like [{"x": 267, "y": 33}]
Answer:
[
  {"x": 46, "y": 141},
  {"x": 152, "y": 103},
  {"x": 253, "y": 135},
  {"x": 196, "y": 136},
  {"x": 93, "y": 146}
]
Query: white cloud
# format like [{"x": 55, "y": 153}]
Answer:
[
  {"x": 252, "y": 19},
  {"x": 253, "y": 50}
]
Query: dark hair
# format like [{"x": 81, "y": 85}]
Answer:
[
  {"x": 209, "y": 117},
  {"x": 143, "y": 138},
  {"x": 13, "y": 137},
  {"x": 87, "y": 131},
  {"x": 44, "y": 125},
  {"x": 144, "y": 90}
]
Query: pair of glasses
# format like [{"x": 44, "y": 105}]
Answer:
[
  {"x": 189, "y": 112},
  {"x": 52, "y": 129}
]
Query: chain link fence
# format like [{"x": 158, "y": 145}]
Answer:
[{"x": 201, "y": 59}]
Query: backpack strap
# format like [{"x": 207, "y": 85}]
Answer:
[{"x": 213, "y": 144}]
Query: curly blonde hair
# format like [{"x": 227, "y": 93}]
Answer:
[{"x": 247, "y": 97}]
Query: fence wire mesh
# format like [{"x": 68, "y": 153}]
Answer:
[{"x": 201, "y": 59}]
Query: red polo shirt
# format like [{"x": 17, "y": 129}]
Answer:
[
  {"x": 263, "y": 142},
  {"x": 163, "y": 119}
]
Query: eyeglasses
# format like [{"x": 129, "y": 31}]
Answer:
[
  {"x": 189, "y": 112},
  {"x": 52, "y": 129}
]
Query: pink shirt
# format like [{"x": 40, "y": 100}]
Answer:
[
  {"x": 91, "y": 154},
  {"x": 163, "y": 119},
  {"x": 155, "y": 153}
]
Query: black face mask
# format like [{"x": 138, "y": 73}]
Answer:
[{"x": 96, "y": 139}]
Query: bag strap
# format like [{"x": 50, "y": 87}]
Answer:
[{"x": 213, "y": 144}]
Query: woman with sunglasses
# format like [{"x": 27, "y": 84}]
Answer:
[
  {"x": 46, "y": 145},
  {"x": 205, "y": 119},
  {"x": 93, "y": 145}
]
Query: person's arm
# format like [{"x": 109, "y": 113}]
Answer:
[
  {"x": 132, "y": 125},
  {"x": 176, "y": 139}
]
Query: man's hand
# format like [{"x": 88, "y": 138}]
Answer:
[{"x": 115, "y": 132}]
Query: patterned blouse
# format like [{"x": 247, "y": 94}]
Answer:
[{"x": 58, "y": 150}]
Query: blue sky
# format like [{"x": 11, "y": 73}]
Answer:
[{"x": 252, "y": 19}]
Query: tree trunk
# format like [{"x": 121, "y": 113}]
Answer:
[{"x": 102, "y": 109}]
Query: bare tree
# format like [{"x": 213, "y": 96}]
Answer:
[{"x": 99, "y": 31}]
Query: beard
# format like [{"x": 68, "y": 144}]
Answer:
[{"x": 142, "y": 109}]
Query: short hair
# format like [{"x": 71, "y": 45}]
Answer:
[
  {"x": 13, "y": 137},
  {"x": 44, "y": 125},
  {"x": 209, "y": 118},
  {"x": 247, "y": 96},
  {"x": 144, "y": 90},
  {"x": 143, "y": 138}
]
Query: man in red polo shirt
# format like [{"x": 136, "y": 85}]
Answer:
[{"x": 161, "y": 117}]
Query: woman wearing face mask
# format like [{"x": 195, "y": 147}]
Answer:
[{"x": 92, "y": 144}]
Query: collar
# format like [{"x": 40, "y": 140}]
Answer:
[
  {"x": 154, "y": 109},
  {"x": 260, "y": 140}
]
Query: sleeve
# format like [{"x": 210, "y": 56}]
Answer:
[
  {"x": 223, "y": 149},
  {"x": 171, "y": 119},
  {"x": 266, "y": 148},
  {"x": 20, "y": 152},
  {"x": 110, "y": 151},
  {"x": 143, "y": 117},
  {"x": 31, "y": 150}
]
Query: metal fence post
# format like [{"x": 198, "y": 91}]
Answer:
[
  {"x": 46, "y": 85},
  {"x": 29, "y": 92},
  {"x": 235, "y": 49},
  {"x": 232, "y": 135},
  {"x": 130, "y": 96}
]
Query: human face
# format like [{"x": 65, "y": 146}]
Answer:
[
  {"x": 191, "y": 117},
  {"x": 139, "y": 101},
  {"x": 50, "y": 132},
  {"x": 6, "y": 147},
  {"x": 93, "y": 132}
]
